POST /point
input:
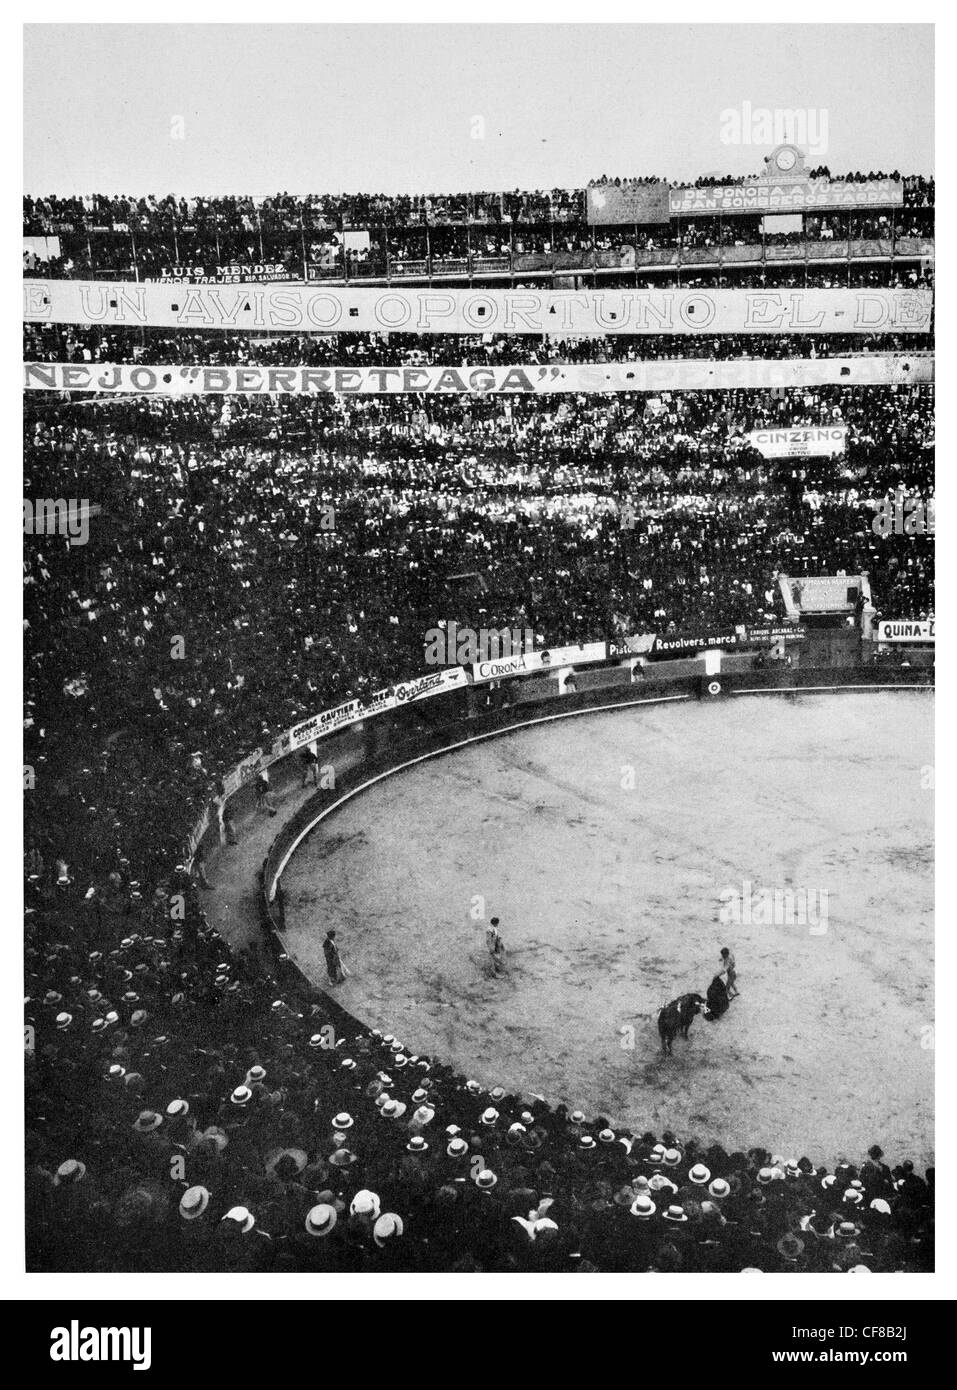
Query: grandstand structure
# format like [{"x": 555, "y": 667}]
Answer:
[
  {"x": 651, "y": 425},
  {"x": 783, "y": 226}
]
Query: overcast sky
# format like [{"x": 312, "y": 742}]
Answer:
[{"x": 428, "y": 108}]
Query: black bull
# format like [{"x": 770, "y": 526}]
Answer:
[{"x": 677, "y": 1017}]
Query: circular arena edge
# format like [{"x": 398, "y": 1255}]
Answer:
[{"x": 446, "y": 727}]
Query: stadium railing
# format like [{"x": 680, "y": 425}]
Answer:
[{"x": 380, "y": 744}]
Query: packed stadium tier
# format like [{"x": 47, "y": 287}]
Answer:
[
  {"x": 622, "y": 227},
  {"x": 94, "y": 343},
  {"x": 243, "y": 1122},
  {"x": 249, "y": 560},
  {"x": 335, "y": 525}
]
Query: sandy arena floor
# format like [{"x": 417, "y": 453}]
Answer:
[{"x": 609, "y": 900}]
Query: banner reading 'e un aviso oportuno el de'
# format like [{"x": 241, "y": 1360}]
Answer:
[{"x": 310, "y": 309}]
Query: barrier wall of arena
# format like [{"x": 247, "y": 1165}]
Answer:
[
  {"x": 368, "y": 731},
  {"x": 437, "y": 727},
  {"x": 454, "y": 721}
]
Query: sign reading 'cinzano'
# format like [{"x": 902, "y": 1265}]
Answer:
[{"x": 799, "y": 441}]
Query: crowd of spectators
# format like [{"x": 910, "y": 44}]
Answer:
[
  {"x": 491, "y": 253},
  {"x": 210, "y": 532},
  {"x": 190, "y": 1111},
  {"x": 152, "y": 217},
  {"x": 920, "y": 190},
  {"x": 93, "y": 343},
  {"x": 303, "y": 237},
  {"x": 193, "y": 1107}
]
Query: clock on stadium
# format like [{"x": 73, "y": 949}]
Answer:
[{"x": 786, "y": 160}]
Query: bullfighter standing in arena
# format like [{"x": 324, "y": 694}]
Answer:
[
  {"x": 334, "y": 967},
  {"x": 727, "y": 965},
  {"x": 496, "y": 947}
]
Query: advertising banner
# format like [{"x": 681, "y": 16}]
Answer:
[
  {"x": 261, "y": 274},
  {"x": 752, "y": 635},
  {"x": 357, "y": 309},
  {"x": 906, "y": 630},
  {"x": 678, "y": 643},
  {"x": 326, "y": 723},
  {"x": 549, "y": 659},
  {"x": 609, "y": 203},
  {"x": 772, "y": 633},
  {"x": 800, "y": 442},
  {"x": 797, "y": 196},
  {"x": 354, "y": 711},
  {"x": 380, "y": 701},
  {"x": 243, "y": 772},
  {"x": 638, "y": 644},
  {"x": 672, "y": 375},
  {"x": 824, "y": 593},
  {"x": 423, "y": 687}
]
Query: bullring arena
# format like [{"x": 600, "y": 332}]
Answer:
[
  {"x": 453, "y": 622},
  {"x": 609, "y": 845}
]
